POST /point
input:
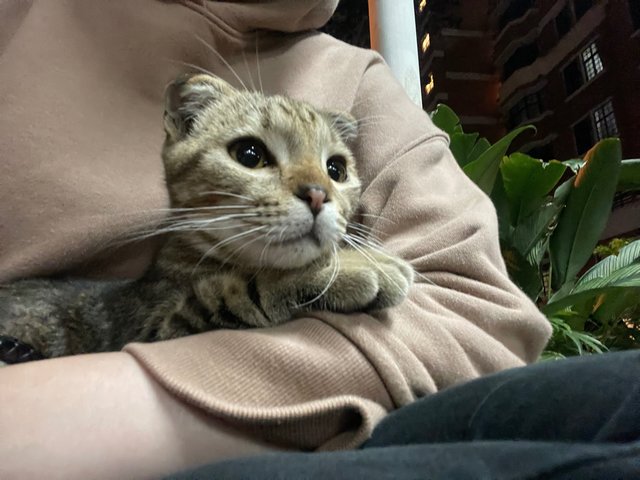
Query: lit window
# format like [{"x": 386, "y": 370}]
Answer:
[
  {"x": 599, "y": 124},
  {"x": 591, "y": 61},
  {"x": 426, "y": 42},
  {"x": 605, "y": 121},
  {"x": 429, "y": 86},
  {"x": 582, "y": 69},
  {"x": 422, "y": 6}
]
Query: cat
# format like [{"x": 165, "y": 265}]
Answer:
[{"x": 261, "y": 189}]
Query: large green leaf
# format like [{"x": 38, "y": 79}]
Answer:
[
  {"x": 530, "y": 230},
  {"x": 527, "y": 182},
  {"x": 565, "y": 301},
  {"x": 561, "y": 194},
  {"x": 484, "y": 169},
  {"x": 501, "y": 204},
  {"x": 628, "y": 276},
  {"x": 618, "y": 283},
  {"x": 628, "y": 255},
  {"x": 462, "y": 146},
  {"x": 481, "y": 146},
  {"x": 445, "y": 119},
  {"x": 525, "y": 275},
  {"x": 588, "y": 207},
  {"x": 609, "y": 307},
  {"x": 629, "y": 175}
]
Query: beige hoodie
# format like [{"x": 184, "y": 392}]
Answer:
[{"x": 81, "y": 83}]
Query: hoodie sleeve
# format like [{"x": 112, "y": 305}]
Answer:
[{"x": 325, "y": 381}]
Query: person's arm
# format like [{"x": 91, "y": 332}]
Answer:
[
  {"x": 323, "y": 382},
  {"x": 101, "y": 416}
]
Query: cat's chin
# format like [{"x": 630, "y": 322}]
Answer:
[{"x": 288, "y": 255}]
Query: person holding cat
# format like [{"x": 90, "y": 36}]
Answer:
[{"x": 80, "y": 144}]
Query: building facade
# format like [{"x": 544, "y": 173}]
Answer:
[
  {"x": 569, "y": 67},
  {"x": 456, "y": 62},
  {"x": 572, "y": 68}
]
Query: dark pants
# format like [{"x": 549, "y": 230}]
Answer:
[{"x": 571, "y": 419}]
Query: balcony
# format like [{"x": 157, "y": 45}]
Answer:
[
  {"x": 522, "y": 57},
  {"x": 563, "y": 50},
  {"x": 515, "y": 10}
]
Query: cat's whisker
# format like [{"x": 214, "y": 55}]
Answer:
[
  {"x": 225, "y": 242},
  {"x": 207, "y": 220},
  {"x": 366, "y": 231},
  {"x": 378, "y": 249},
  {"x": 258, "y": 65},
  {"x": 335, "y": 264},
  {"x": 202, "y": 215},
  {"x": 246, "y": 67},
  {"x": 237, "y": 251},
  {"x": 269, "y": 237},
  {"x": 192, "y": 65},
  {"x": 166, "y": 227},
  {"x": 227, "y": 194},
  {"x": 205, "y": 208},
  {"x": 365, "y": 243},
  {"x": 358, "y": 248},
  {"x": 221, "y": 58}
]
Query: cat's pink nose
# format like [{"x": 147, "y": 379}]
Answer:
[{"x": 314, "y": 195}]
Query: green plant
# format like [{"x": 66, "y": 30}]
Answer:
[{"x": 551, "y": 216}]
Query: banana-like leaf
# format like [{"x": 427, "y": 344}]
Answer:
[
  {"x": 628, "y": 255},
  {"x": 629, "y": 176},
  {"x": 536, "y": 254},
  {"x": 446, "y": 119},
  {"x": 562, "y": 192},
  {"x": 527, "y": 182},
  {"x": 556, "y": 305},
  {"x": 525, "y": 275},
  {"x": 627, "y": 276},
  {"x": 619, "y": 282},
  {"x": 501, "y": 204},
  {"x": 481, "y": 146},
  {"x": 462, "y": 146},
  {"x": 484, "y": 169},
  {"x": 529, "y": 231},
  {"x": 588, "y": 207},
  {"x": 610, "y": 307}
]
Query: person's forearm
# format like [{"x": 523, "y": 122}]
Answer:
[{"x": 102, "y": 417}]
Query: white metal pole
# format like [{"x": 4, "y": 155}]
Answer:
[{"x": 393, "y": 34}]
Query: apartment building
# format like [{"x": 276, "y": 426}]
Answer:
[
  {"x": 455, "y": 43},
  {"x": 572, "y": 68},
  {"x": 569, "y": 67}
]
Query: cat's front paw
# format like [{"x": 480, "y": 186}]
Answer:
[{"x": 368, "y": 280}]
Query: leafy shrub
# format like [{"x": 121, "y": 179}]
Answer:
[{"x": 549, "y": 228}]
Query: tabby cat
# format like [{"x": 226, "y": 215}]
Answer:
[{"x": 262, "y": 189}]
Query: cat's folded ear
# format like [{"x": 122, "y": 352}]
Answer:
[
  {"x": 186, "y": 97},
  {"x": 345, "y": 124}
]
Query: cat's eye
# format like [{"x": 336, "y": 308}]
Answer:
[
  {"x": 250, "y": 152},
  {"x": 337, "y": 168}
]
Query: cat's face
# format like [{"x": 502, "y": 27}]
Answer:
[{"x": 264, "y": 181}]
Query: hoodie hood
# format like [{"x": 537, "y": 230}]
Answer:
[{"x": 275, "y": 15}]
